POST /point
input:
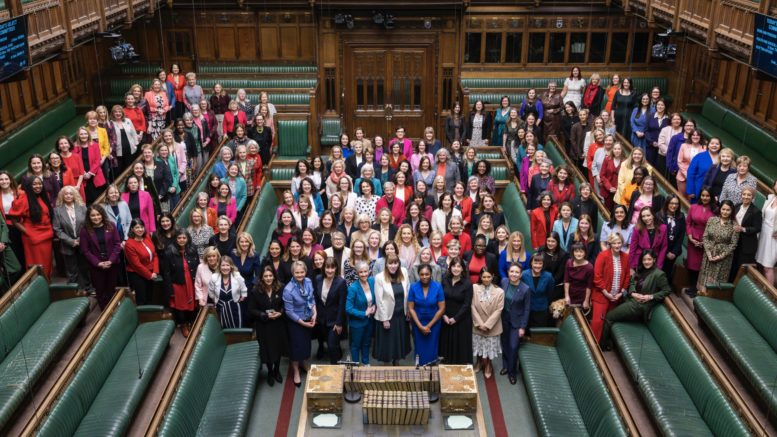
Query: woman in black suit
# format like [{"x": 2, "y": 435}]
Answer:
[
  {"x": 330, "y": 292},
  {"x": 674, "y": 219},
  {"x": 179, "y": 268},
  {"x": 748, "y": 220},
  {"x": 265, "y": 306}
]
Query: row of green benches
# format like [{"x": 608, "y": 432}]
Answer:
[
  {"x": 119, "y": 87},
  {"x": 38, "y": 136},
  {"x": 715, "y": 119},
  {"x": 743, "y": 324},
  {"x": 641, "y": 84},
  {"x": 220, "y": 68}
]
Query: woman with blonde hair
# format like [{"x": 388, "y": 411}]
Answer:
[
  {"x": 358, "y": 254},
  {"x": 247, "y": 261},
  {"x": 392, "y": 336},
  {"x": 407, "y": 244},
  {"x": 626, "y": 173},
  {"x": 158, "y": 105},
  {"x": 68, "y": 219},
  {"x": 228, "y": 289},
  {"x": 199, "y": 231},
  {"x": 515, "y": 252}
]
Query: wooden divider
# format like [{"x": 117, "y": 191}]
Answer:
[
  {"x": 604, "y": 370},
  {"x": 180, "y": 367},
  {"x": 251, "y": 206},
  {"x": 20, "y": 285},
  {"x": 73, "y": 365},
  {"x": 720, "y": 377},
  {"x": 190, "y": 190}
]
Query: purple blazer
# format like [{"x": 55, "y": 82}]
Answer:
[
  {"x": 640, "y": 241},
  {"x": 91, "y": 248},
  {"x": 146, "y": 209}
]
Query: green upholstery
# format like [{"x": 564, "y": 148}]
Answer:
[
  {"x": 676, "y": 386},
  {"x": 330, "y": 131},
  {"x": 515, "y": 213},
  {"x": 102, "y": 396},
  {"x": 208, "y": 402},
  {"x": 260, "y": 222},
  {"x": 745, "y": 329},
  {"x": 641, "y": 84},
  {"x": 255, "y": 69},
  {"x": 38, "y": 136},
  {"x": 120, "y": 87},
  {"x": 741, "y": 135},
  {"x": 34, "y": 330},
  {"x": 500, "y": 172},
  {"x": 282, "y": 173},
  {"x": 489, "y": 156},
  {"x": 495, "y": 98},
  {"x": 183, "y": 216},
  {"x": 292, "y": 139},
  {"x": 579, "y": 403},
  {"x": 257, "y": 83},
  {"x": 140, "y": 69}
]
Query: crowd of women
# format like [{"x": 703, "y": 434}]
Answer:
[{"x": 400, "y": 246}]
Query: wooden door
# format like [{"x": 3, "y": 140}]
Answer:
[{"x": 386, "y": 87}]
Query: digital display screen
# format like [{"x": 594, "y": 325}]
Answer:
[
  {"x": 14, "y": 50},
  {"x": 764, "y": 54}
]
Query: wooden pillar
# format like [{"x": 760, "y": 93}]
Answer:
[
  {"x": 14, "y": 7},
  {"x": 712, "y": 43},
  {"x": 679, "y": 7},
  {"x": 313, "y": 126}
]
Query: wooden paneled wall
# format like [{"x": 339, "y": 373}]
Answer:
[
  {"x": 738, "y": 86},
  {"x": 189, "y": 37}
]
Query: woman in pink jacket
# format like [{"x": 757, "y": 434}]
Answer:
[{"x": 140, "y": 203}]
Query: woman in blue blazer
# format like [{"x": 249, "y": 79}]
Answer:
[
  {"x": 299, "y": 304},
  {"x": 540, "y": 285},
  {"x": 360, "y": 306},
  {"x": 515, "y": 318},
  {"x": 565, "y": 225}
]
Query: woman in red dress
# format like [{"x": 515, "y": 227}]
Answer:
[
  {"x": 180, "y": 268},
  {"x": 88, "y": 153},
  {"x": 31, "y": 214}
]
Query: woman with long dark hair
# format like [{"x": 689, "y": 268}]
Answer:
[
  {"x": 265, "y": 306},
  {"x": 142, "y": 262},
  {"x": 31, "y": 214},
  {"x": 179, "y": 270}
]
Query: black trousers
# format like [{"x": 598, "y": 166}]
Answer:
[{"x": 143, "y": 288}]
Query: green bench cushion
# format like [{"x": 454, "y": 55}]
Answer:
[
  {"x": 260, "y": 223},
  {"x": 330, "y": 131},
  {"x": 495, "y": 98},
  {"x": 183, "y": 216},
  {"x": 641, "y": 84},
  {"x": 114, "y": 407},
  {"x": 229, "y": 405},
  {"x": 759, "y": 309},
  {"x": 282, "y": 173},
  {"x": 18, "y": 166},
  {"x": 515, "y": 213},
  {"x": 257, "y": 83},
  {"x": 255, "y": 69},
  {"x": 36, "y": 350},
  {"x": 555, "y": 411},
  {"x": 675, "y": 384},
  {"x": 186, "y": 410},
  {"x": 579, "y": 403},
  {"x": 292, "y": 139},
  {"x": 751, "y": 353},
  {"x": 500, "y": 173}
]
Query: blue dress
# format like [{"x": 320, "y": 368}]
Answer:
[
  {"x": 639, "y": 123},
  {"x": 499, "y": 126},
  {"x": 426, "y": 346}
]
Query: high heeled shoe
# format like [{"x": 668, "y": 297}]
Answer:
[{"x": 278, "y": 377}]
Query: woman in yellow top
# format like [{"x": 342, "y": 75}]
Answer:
[
  {"x": 100, "y": 135},
  {"x": 626, "y": 174}
]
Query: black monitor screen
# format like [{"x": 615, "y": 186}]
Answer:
[
  {"x": 14, "y": 51},
  {"x": 764, "y": 55}
]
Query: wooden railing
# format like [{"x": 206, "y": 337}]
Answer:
[
  {"x": 577, "y": 174},
  {"x": 73, "y": 365},
  {"x": 20, "y": 285}
]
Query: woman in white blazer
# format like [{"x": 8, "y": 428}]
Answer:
[
  {"x": 228, "y": 290},
  {"x": 392, "y": 339},
  {"x": 443, "y": 214}
]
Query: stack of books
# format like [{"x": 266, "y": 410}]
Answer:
[
  {"x": 381, "y": 407},
  {"x": 394, "y": 379}
]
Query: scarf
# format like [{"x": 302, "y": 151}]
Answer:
[
  {"x": 305, "y": 289},
  {"x": 590, "y": 94}
]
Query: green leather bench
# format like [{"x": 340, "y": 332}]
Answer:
[
  {"x": 489, "y": 156},
  {"x": 216, "y": 392},
  {"x": 101, "y": 398},
  {"x": 38, "y": 136},
  {"x": 741, "y": 135},
  {"x": 745, "y": 329},
  {"x": 182, "y": 220},
  {"x": 515, "y": 213},
  {"x": 682, "y": 396},
  {"x": 262, "y": 221},
  {"x": 496, "y": 98},
  {"x": 139, "y": 69},
  {"x": 34, "y": 330},
  {"x": 207, "y": 84},
  {"x": 330, "y": 132},
  {"x": 641, "y": 84},
  {"x": 292, "y": 139},
  {"x": 282, "y": 173},
  {"x": 500, "y": 172},
  {"x": 255, "y": 69},
  {"x": 566, "y": 391},
  {"x": 120, "y": 87}
]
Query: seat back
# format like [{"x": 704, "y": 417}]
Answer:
[
  {"x": 515, "y": 213},
  {"x": 34, "y": 132},
  {"x": 182, "y": 220},
  {"x": 259, "y": 224},
  {"x": 593, "y": 400},
  {"x": 19, "y": 317},
  {"x": 282, "y": 173},
  {"x": 758, "y": 308},
  {"x": 708, "y": 398},
  {"x": 714, "y": 111},
  {"x": 73, "y": 404},
  {"x": 292, "y": 138},
  {"x": 186, "y": 410}
]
